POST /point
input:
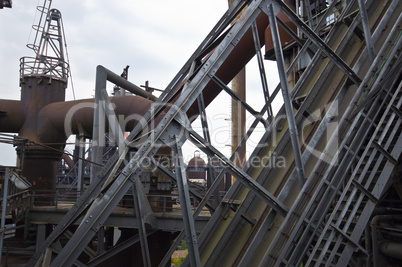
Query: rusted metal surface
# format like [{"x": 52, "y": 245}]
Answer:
[
  {"x": 42, "y": 113},
  {"x": 46, "y": 121},
  {"x": 79, "y": 114},
  {"x": 11, "y": 115}
]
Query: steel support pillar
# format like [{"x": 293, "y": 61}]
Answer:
[
  {"x": 102, "y": 105},
  {"x": 40, "y": 235},
  {"x": 139, "y": 213},
  {"x": 81, "y": 155},
  {"x": 182, "y": 185},
  {"x": 264, "y": 83},
  {"x": 205, "y": 130},
  {"x": 239, "y": 174},
  {"x": 101, "y": 243},
  {"x": 294, "y": 136},
  {"x": 4, "y": 209}
]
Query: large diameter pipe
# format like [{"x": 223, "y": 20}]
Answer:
[
  {"x": 11, "y": 115},
  {"x": 391, "y": 249},
  {"x": 76, "y": 117},
  {"x": 55, "y": 122},
  {"x": 238, "y": 113},
  {"x": 125, "y": 84},
  {"x": 374, "y": 235},
  {"x": 39, "y": 163}
]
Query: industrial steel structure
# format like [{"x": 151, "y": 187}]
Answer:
[{"x": 333, "y": 198}]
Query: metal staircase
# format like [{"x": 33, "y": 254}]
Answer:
[
  {"x": 260, "y": 242},
  {"x": 311, "y": 211},
  {"x": 328, "y": 229}
]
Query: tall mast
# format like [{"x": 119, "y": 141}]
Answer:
[{"x": 48, "y": 46}]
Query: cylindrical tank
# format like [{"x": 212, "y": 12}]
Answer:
[
  {"x": 196, "y": 168},
  {"x": 217, "y": 167},
  {"x": 39, "y": 160}
]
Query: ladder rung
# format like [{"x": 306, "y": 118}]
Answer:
[{"x": 385, "y": 153}]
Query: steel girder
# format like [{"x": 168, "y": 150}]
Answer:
[
  {"x": 305, "y": 227},
  {"x": 71, "y": 251},
  {"x": 109, "y": 186},
  {"x": 224, "y": 245}
]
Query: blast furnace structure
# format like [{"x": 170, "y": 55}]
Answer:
[{"x": 333, "y": 198}]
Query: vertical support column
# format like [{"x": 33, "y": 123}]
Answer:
[
  {"x": 113, "y": 120},
  {"x": 238, "y": 113},
  {"x": 98, "y": 124},
  {"x": 101, "y": 241},
  {"x": 285, "y": 93},
  {"x": 205, "y": 130},
  {"x": 139, "y": 213},
  {"x": 182, "y": 185},
  {"x": 239, "y": 116},
  {"x": 309, "y": 14},
  {"x": 40, "y": 235},
  {"x": 81, "y": 154},
  {"x": 4, "y": 208}
]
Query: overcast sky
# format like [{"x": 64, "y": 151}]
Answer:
[{"x": 154, "y": 37}]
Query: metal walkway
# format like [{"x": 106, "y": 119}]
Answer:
[{"x": 339, "y": 133}]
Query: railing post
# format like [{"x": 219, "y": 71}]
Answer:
[{"x": 4, "y": 209}]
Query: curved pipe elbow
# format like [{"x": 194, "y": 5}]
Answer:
[{"x": 57, "y": 121}]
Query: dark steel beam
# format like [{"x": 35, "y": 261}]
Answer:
[
  {"x": 319, "y": 42},
  {"x": 191, "y": 236},
  {"x": 205, "y": 130},
  {"x": 261, "y": 67},
  {"x": 115, "y": 250},
  {"x": 232, "y": 94},
  {"x": 4, "y": 188},
  {"x": 139, "y": 213},
  {"x": 366, "y": 29},
  {"x": 294, "y": 136},
  {"x": 243, "y": 177}
]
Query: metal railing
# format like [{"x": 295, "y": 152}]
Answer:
[{"x": 45, "y": 66}]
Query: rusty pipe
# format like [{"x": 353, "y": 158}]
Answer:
[
  {"x": 391, "y": 249},
  {"x": 125, "y": 84},
  {"x": 62, "y": 119},
  {"x": 11, "y": 115}
]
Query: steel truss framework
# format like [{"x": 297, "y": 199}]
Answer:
[
  {"x": 48, "y": 46},
  {"x": 253, "y": 207}
]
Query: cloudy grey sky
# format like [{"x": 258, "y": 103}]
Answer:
[{"x": 154, "y": 37}]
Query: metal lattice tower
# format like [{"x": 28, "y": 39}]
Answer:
[{"x": 48, "y": 46}]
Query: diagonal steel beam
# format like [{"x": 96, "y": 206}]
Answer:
[
  {"x": 243, "y": 177},
  {"x": 115, "y": 250},
  {"x": 193, "y": 253},
  {"x": 232, "y": 94},
  {"x": 263, "y": 77},
  {"x": 366, "y": 29},
  {"x": 318, "y": 42},
  {"x": 294, "y": 136},
  {"x": 139, "y": 213},
  {"x": 103, "y": 206}
]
